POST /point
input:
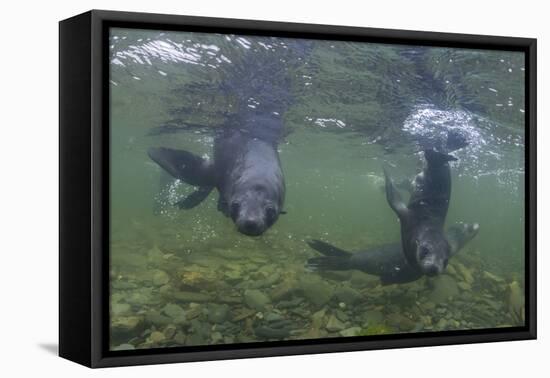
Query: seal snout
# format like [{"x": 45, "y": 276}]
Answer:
[
  {"x": 251, "y": 227},
  {"x": 432, "y": 270}
]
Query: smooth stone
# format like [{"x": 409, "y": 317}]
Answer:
[
  {"x": 283, "y": 290},
  {"x": 243, "y": 314},
  {"x": 400, "y": 321},
  {"x": 157, "y": 337},
  {"x": 492, "y": 277},
  {"x": 165, "y": 289},
  {"x": 170, "y": 331},
  {"x": 373, "y": 317},
  {"x": 120, "y": 309},
  {"x": 316, "y": 291},
  {"x": 283, "y": 323},
  {"x": 155, "y": 253},
  {"x": 293, "y": 303},
  {"x": 216, "y": 337},
  {"x": 313, "y": 333},
  {"x": 126, "y": 323},
  {"x": 317, "y": 318},
  {"x": 267, "y": 282},
  {"x": 124, "y": 347},
  {"x": 123, "y": 285},
  {"x": 341, "y": 315},
  {"x": 256, "y": 299},
  {"x": 218, "y": 313},
  {"x": 465, "y": 273},
  {"x": 360, "y": 279},
  {"x": 408, "y": 299},
  {"x": 516, "y": 302},
  {"x": 428, "y": 306},
  {"x": 228, "y": 340},
  {"x": 230, "y": 299},
  {"x": 160, "y": 278},
  {"x": 444, "y": 287},
  {"x": 271, "y": 333},
  {"x": 190, "y": 296},
  {"x": 156, "y": 318},
  {"x": 174, "y": 311},
  {"x": 142, "y": 297},
  {"x": 451, "y": 270},
  {"x": 348, "y": 332},
  {"x": 427, "y": 320},
  {"x": 442, "y": 323},
  {"x": 273, "y": 317},
  {"x": 196, "y": 339},
  {"x": 337, "y": 275},
  {"x": 347, "y": 295},
  {"x": 334, "y": 325},
  {"x": 233, "y": 276},
  {"x": 302, "y": 312},
  {"x": 180, "y": 338}
]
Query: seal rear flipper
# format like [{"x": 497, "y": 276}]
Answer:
[
  {"x": 394, "y": 198},
  {"x": 329, "y": 263},
  {"x": 456, "y": 140},
  {"x": 328, "y": 249},
  {"x": 183, "y": 165},
  {"x": 194, "y": 198}
]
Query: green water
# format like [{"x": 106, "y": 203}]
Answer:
[{"x": 187, "y": 277}]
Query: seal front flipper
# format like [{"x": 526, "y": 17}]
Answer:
[
  {"x": 194, "y": 198},
  {"x": 394, "y": 198},
  {"x": 185, "y": 166},
  {"x": 459, "y": 235}
]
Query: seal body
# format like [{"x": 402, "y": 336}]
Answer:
[
  {"x": 387, "y": 261},
  {"x": 250, "y": 181}
]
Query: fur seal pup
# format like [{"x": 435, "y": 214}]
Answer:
[
  {"x": 386, "y": 261},
  {"x": 423, "y": 218},
  {"x": 245, "y": 170}
]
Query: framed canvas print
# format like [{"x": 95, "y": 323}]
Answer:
[{"x": 234, "y": 188}]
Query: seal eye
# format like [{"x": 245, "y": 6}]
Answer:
[
  {"x": 270, "y": 213},
  {"x": 234, "y": 209}
]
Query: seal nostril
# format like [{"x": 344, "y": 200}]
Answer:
[
  {"x": 431, "y": 270},
  {"x": 251, "y": 227}
]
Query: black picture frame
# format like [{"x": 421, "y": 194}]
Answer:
[{"x": 84, "y": 188}]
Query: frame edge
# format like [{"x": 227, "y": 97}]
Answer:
[{"x": 75, "y": 336}]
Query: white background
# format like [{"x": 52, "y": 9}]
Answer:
[{"x": 29, "y": 189}]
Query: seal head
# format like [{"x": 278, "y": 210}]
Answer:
[
  {"x": 432, "y": 251},
  {"x": 254, "y": 210}
]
